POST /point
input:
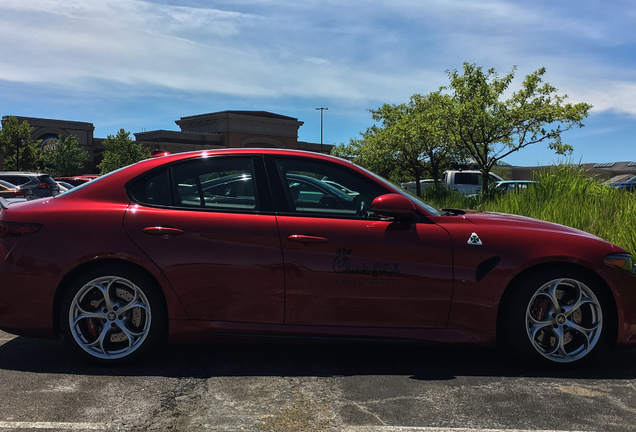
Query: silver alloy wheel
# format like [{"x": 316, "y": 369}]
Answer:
[
  {"x": 109, "y": 317},
  {"x": 564, "y": 320}
]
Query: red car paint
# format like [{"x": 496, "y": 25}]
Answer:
[{"x": 281, "y": 271}]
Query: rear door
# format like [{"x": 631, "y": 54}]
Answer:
[{"x": 208, "y": 225}]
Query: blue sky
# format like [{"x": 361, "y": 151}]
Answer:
[{"x": 141, "y": 65}]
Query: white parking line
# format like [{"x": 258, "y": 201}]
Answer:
[
  {"x": 53, "y": 425},
  {"x": 442, "y": 429},
  {"x": 103, "y": 427}
]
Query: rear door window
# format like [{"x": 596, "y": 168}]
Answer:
[
  {"x": 216, "y": 184},
  {"x": 220, "y": 183}
]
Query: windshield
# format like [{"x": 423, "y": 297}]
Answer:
[{"x": 502, "y": 187}]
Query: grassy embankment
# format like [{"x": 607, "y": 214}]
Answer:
[{"x": 565, "y": 195}]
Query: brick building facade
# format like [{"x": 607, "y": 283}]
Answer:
[
  {"x": 237, "y": 129},
  {"x": 231, "y": 129}
]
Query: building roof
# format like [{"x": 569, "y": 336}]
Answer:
[
  {"x": 180, "y": 137},
  {"x": 265, "y": 114},
  {"x": 41, "y": 122}
]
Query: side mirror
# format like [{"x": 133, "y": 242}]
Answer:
[{"x": 392, "y": 206}]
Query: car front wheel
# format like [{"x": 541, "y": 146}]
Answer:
[
  {"x": 112, "y": 315},
  {"x": 558, "y": 316}
]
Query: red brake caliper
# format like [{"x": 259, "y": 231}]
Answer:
[
  {"x": 92, "y": 328},
  {"x": 539, "y": 308}
]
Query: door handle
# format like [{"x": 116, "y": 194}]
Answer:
[
  {"x": 162, "y": 231},
  {"x": 301, "y": 238}
]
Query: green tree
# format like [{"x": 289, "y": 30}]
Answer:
[
  {"x": 367, "y": 151},
  {"x": 489, "y": 128},
  {"x": 409, "y": 140},
  {"x": 66, "y": 158},
  {"x": 121, "y": 151},
  {"x": 430, "y": 141},
  {"x": 19, "y": 150}
]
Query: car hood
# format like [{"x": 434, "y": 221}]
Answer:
[{"x": 520, "y": 222}]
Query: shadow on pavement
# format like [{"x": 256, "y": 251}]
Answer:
[{"x": 421, "y": 362}]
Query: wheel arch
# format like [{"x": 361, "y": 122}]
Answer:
[
  {"x": 598, "y": 281},
  {"x": 67, "y": 280}
]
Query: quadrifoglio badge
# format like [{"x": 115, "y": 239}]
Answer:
[{"x": 474, "y": 240}]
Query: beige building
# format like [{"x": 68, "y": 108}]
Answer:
[
  {"x": 239, "y": 129},
  {"x": 49, "y": 131},
  {"x": 230, "y": 129},
  {"x": 225, "y": 129}
]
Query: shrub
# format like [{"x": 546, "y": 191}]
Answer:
[{"x": 566, "y": 195}]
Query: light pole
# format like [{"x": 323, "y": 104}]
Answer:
[
  {"x": 321, "y": 111},
  {"x": 17, "y": 158}
]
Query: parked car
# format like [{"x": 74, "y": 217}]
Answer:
[
  {"x": 8, "y": 190},
  {"x": 513, "y": 185},
  {"x": 76, "y": 180},
  {"x": 412, "y": 185},
  {"x": 629, "y": 184},
  {"x": 64, "y": 186},
  {"x": 507, "y": 186},
  {"x": 41, "y": 185},
  {"x": 169, "y": 258},
  {"x": 466, "y": 182}
]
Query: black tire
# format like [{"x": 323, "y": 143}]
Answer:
[
  {"x": 112, "y": 315},
  {"x": 559, "y": 317}
]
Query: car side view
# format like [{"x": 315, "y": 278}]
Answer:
[
  {"x": 36, "y": 185},
  {"x": 279, "y": 243}
]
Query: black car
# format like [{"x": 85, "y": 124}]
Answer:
[{"x": 42, "y": 185}]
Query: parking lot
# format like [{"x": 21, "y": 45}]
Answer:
[{"x": 310, "y": 387}]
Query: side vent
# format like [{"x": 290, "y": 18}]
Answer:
[{"x": 486, "y": 267}]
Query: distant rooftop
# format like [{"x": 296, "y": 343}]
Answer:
[{"x": 265, "y": 114}]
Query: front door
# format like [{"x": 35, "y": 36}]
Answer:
[{"x": 346, "y": 267}]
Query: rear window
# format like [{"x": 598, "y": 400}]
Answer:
[
  {"x": 467, "y": 178},
  {"x": 45, "y": 178}
]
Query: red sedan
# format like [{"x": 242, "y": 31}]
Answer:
[{"x": 264, "y": 243}]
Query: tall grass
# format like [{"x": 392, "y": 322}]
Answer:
[{"x": 565, "y": 195}]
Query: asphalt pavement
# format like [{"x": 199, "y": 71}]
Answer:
[{"x": 310, "y": 388}]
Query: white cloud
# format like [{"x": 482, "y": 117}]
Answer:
[
  {"x": 611, "y": 96},
  {"x": 370, "y": 51},
  {"x": 77, "y": 44}
]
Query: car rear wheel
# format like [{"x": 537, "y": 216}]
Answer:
[
  {"x": 558, "y": 316},
  {"x": 112, "y": 315}
]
